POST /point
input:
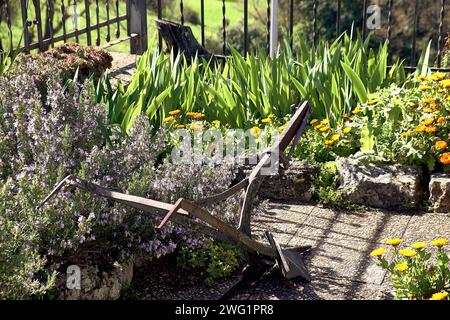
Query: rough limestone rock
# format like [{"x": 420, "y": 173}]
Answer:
[
  {"x": 96, "y": 285},
  {"x": 440, "y": 192},
  {"x": 292, "y": 184},
  {"x": 380, "y": 186}
]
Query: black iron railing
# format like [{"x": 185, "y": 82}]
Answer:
[
  {"x": 54, "y": 27},
  {"x": 41, "y": 32}
]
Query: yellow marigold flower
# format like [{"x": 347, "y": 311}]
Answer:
[
  {"x": 431, "y": 129},
  {"x": 428, "y": 121},
  {"x": 445, "y": 83},
  {"x": 414, "y": 105},
  {"x": 325, "y": 129},
  {"x": 174, "y": 112},
  {"x": 422, "y": 78},
  {"x": 372, "y": 102},
  {"x": 438, "y": 76},
  {"x": 378, "y": 252},
  {"x": 180, "y": 126},
  {"x": 419, "y": 245},
  {"x": 280, "y": 129},
  {"x": 445, "y": 158},
  {"x": 319, "y": 126},
  {"x": 424, "y": 88},
  {"x": 266, "y": 120},
  {"x": 168, "y": 119},
  {"x": 329, "y": 142},
  {"x": 347, "y": 130},
  {"x": 421, "y": 128},
  {"x": 440, "y": 90},
  {"x": 441, "y": 120},
  {"x": 255, "y": 132},
  {"x": 271, "y": 116},
  {"x": 439, "y": 242},
  {"x": 427, "y": 110},
  {"x": 409, "y": 253},
  {"x": 427, "y": 100},
  {"x": 324, "y": 121},
  {"x": 216, "y": 122},
  {"x": 439, "y": 295},
  {"x": 394, "y": 241},
  {"x": 314, "y": 121},
  {"x": 356, "y": 111},
  {"x": 406, "y": 133},
  {"x": 335, "y": 137},
  {"x": 401, "y": 267},
  {"x": 441, "y": 145}
]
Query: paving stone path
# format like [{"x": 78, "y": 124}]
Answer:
[{"x": 339, "y": 260}]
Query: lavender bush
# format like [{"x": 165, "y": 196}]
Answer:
[{"x": 48, "y": 131}]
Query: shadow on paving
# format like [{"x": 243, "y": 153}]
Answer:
[{"x": 339, "y": 261}]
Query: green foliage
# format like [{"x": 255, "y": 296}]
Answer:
[
  {"x": 332, "y": 77},
  {"x": 216, "y": 259},
  {"x": 325, "y": 186},
  {"x": 417, "y": 273}
]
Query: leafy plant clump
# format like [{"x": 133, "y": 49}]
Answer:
[
  {"x": 242, "y": 91},
  {"x": 417, "y": 272},
  {"x": 216, "y": 260},
  {"x": 48, "y": 131},
  {"x": 397, "y": 125}
]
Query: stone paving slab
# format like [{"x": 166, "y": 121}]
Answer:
[
  {"x": 426, "y": 227},
  {"x": 339, "y": 261},
  {"x": 281, "y": 219},
  {"x": 341, "y": 258},
  {"x": 373, "y": 226},
  {"x": 275, "y": 287}
]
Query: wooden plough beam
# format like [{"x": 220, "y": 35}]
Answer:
[{"x": 289, "y": 260}]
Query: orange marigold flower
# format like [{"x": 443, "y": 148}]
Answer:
[
  {"x": 180, "y": 126},
  {"x": 441, "y": 120},
  {"x": 441, "y": 145},
  {"x": 445, "y": 158},
  {"x": 431, "y": 129}
]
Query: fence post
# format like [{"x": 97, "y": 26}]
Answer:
[
  {"x": 273, "y": 28},
  {"x": 137, "y": 24}
]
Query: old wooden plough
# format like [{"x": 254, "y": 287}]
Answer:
[{"x": 289, "y": 260}]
